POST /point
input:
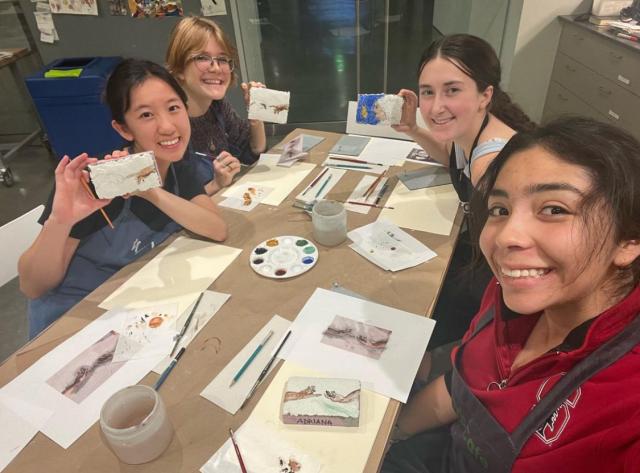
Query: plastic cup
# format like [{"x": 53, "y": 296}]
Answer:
[
  {"x": 135, "y": 424},
  {"x": 329, "y": 220}
]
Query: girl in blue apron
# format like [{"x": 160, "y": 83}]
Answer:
[
  {"x": 203, "y": 60},
  {"x": 546, "y": 379},
  {"x": 76, "y": 250},
  {"x": 469, "y": 119}
]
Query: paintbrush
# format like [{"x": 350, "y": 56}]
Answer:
[
  {"x": 374, "y": 184},
  {"x": 353, "y": 160},
  {"x": 315, "y": 181},
  {"x": 369, "y": 205},
  {"x": 90, "y": 192}
]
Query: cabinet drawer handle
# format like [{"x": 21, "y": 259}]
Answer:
[
  {"x": 615, "y": 56},
  {"x": 578, "y": 37},
  {"x": 570, "y": 68},
  {"x": 562, "y": 97},
  {"x": 604, "y": 91}
]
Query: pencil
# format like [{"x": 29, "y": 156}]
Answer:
[
  {"x": 369, "y": 205},
  {"x": 313, "y": 183},
  {"x": 251, "y": 358},
  {"x": 264, "y": 372},
  {"x": 235, "y": 446},
  {"x": 323, "y": 185},
  {"x": 353, "y": 160},
  {"x": 348, "y": 166},
  {"x": 104, "y": 214},
  {"x": 168, "y": 369},
  {"x": 186, "y": 324},
  {"x": 374, "y": 184}
]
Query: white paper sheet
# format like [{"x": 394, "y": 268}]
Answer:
[
  {"x": 231, "y": 398},
  {"x": 392, "y": 374},
  {"x": 246, "y": 197},
  {"x": 386, "y": 151},
  {"x": 337, "y": 161},
  {"x": 33, "y": 395},
  {"x": 320, "y": 191},
  {"x": 209, "y": 8},
  {"x": 144, "y": 331},
  {"x": 268, "y": 105},
  {"x": 388, "y": 246},
  {"x": 266, "y": 172},
  {"x": 177, "y": 275},
  {"x": 358, "y": 194},
  {"x": 339, "y": 449},
  {"x": 258, "y": 455},
  {"x": 431, "y": 210},
  {"x": 209, "y": 305},
  {"x": 15, "y": 434}
]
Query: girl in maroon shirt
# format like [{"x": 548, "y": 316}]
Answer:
[{"x": 548, "y": 375}]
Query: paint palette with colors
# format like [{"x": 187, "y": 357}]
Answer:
[{"x": 283, "y": 257}]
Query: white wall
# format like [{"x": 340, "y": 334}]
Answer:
[{"x": 529, "y": 48}]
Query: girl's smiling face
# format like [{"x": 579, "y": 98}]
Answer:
[
  {"x": 450, "y": 102},
  {"x": 156, "y": 120},
  {"x": 207, "y": 80},
  {"x": 538, "y": 241}
]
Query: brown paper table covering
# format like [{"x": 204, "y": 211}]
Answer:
[{"x": 201, "y": 427}]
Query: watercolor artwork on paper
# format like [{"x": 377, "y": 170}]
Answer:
[
  {"x": 418, "y": 155},
  {"x": 269, "y": 105},
  {"x": 246, "y": 197},
  {"x": 356, "y": 337},
  {"x": 155, "y": 8},
  {"x": 330, "y": 402},
  {"x": 134, "y": 172},
  {"x": 87, "y": 371},
  {"x": 293, "y": 151},
  {"x": 118, "y": 8},
  {"x": 143, "y": 328},
  {"x": 74, "y": 7},
  {"x": 379, "y": 109}
]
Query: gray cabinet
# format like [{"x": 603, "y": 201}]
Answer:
[{"x": 597, "y": 75}]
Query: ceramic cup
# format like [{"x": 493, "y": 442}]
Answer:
[
  {"x": 135, "y": 424},
  {"x": 329, "y": 222}
]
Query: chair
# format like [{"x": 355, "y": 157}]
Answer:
[{"x": 15, "y": 237}]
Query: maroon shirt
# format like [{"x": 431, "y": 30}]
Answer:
[{"x": 597, "y": 429}]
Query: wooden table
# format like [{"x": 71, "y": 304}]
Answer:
[{"x": 201, "y": 427}]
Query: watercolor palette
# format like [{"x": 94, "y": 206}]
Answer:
[{"x": 283, "y": 257}]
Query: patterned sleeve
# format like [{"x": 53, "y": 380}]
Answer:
[{"x": 238, "y": 133}]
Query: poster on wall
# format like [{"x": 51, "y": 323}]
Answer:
[
  {"x": 155, "y": 8},
  {"x": 213, "y": 7},
  {"x": 74, "y": 7},
  {"x": 118, "y": 7}
]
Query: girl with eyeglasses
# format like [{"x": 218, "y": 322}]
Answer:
[{"x": 203, "y": 60}]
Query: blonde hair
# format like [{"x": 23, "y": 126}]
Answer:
[{"x": 189, "y": 37}]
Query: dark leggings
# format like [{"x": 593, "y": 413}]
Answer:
[
  {"x": 422, "y": 453},
  {"x": 461, "y": 294}
]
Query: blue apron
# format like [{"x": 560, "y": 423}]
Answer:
[{"x": 96, "y": 259}]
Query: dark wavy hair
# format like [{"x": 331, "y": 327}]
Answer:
[
  {"x": 477, "y": 59},
  {"x": 609, "y": 155},
  {"x": 129, "y": 74}
]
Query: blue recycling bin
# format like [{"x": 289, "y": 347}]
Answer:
[{"x": 71, "y": 108}]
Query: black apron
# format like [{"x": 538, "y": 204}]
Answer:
[
  {"x": 461, "y": 183},
  {"x": 479, "y": 444}
]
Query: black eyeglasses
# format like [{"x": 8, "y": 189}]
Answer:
[{"x": 204, "y": 62}]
